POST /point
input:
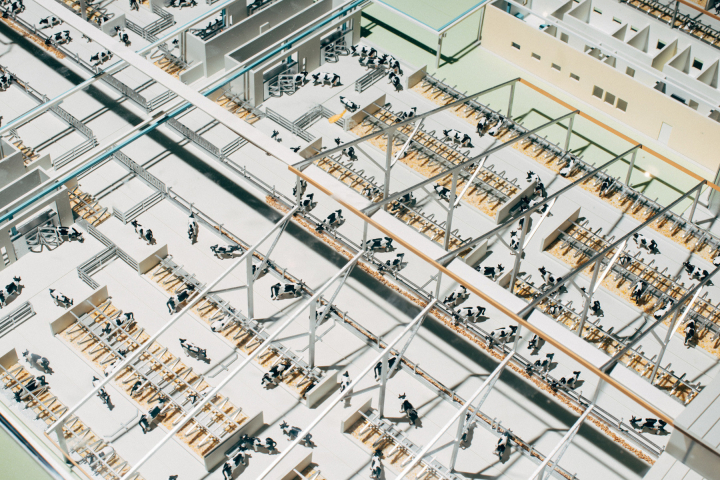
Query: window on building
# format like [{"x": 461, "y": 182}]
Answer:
[
  {"x": 515, "y": 45},
  {"x": 697, "y": 64},
  {"x": 597, "y": 92},
  {"x": 564, "y": 37},
  {"x": 622, "y": 105},
  {"x": 617, "y": 20},
  {"x": 556, "y": 66},
  {"x": 633, "y": 28},
  {"x": 660, "y": 45},
  {"x": 574, "y": 77},
  {"x": 535, "y": 56},
  {"x": 609, "y": 98},
  {"x": 597, "y": 10},
  {"x": 693, "y": 104},
  {"x": 630, "y": 71}
]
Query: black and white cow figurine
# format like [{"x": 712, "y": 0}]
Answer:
[
  {"x": 624, "y": 260},
  {"x": 11, "y": 290},
  {"x": 555, "y": 309},
  {"x": 332, "y": 222},
  {"x": 376, "y": 468},
  {"x": 193, "y": 229},
  {"x": 694, "y": 271},
  {"x": 192, "y": 349},
  {"x": 606, "y": 186},
  {"x": 532, "y": 176},
  {"x": 548, "y": 278},
  {"x": 407, "y": 408},
  {"x": 288, "y": 290},
  {"x": 293, "y": 432},
  {"x": 303, "y": 187},
  {"x": 350, "y": 153},
  {"x": 233, "y": 462},
  {"x": 641, "y": 241},
  {"x": 37, "y": 361},
  {"x": 393, "y": 266},
  {"x": 491, "y": 272},
  {"x": 567, "y": 170},
  {"x": 502, "y": 334},
  {"x": 466, "y": 314},
  {"x": 545, "y": 365},
  {"x": 276, "y": 372},
  {"x": 534, "y": 342},
  {"x": 383, "y": 244},
  {"x": 406, "y": 201},
  {"x": 690, "y": 331},
  {"x": 457, "y": 137},
  {"x": 371, "y": 192},
  {"x": 596, "y": 309},
  {"x": 495, "y": 130},
  {"x": 396, "y": 82},
  {"x": 60, "y": 299},
  {"x": 481, "y": 124},
  {"x": 377, "y": 370},
  {"x": 325, "y": 78},
  {"x": 300, "y": 78},
  {"x": 638, "y": 291},
  {"x": 649, "y": 423},
  {"x": 570, "y": 382},
  {"x": 307, "y": 203},
  {"x": 666, "y": 306},
  {"x": 179, "y": 298},
  {"x": 442, "y": 192},
  {"x": 225, "y": 251},
  {"x": 457, "y": 297},
  {"x": 514, "y": 240},
  {"x": 349, "y": 104},
  {"x": 101, "y": 57},
  {"x": 34, "y": 385},
  {"x": 502, "y": 444},
  {"x": 406, "y": 115},
  {"x": 69, "y": 235},
  {"x": 49, "y": 22}
]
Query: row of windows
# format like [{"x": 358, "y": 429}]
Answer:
[{"x": 610, "y": 98}]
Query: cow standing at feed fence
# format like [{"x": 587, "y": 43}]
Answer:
[
  {"x": 325, "y": 78},
  {"x": 286, "y": 291},
  {"x": 179, "y": 298},
  {"x": 457, "y": 297},
  {"x": 377, "y": 370},
  {"x": 225, "y": 251},
  {"x": 376, "y": 468},
  {"x": 332, "y": 222},
  {"x": 349, "y": 104},
  {"x": 393, "y": 266},
  {"x": 501, "y": 335},
  {"x": 380, "y": 245},
  {"x": 467, "y": 314},
  {"x": 60, "y": 299},
  {"x": 276, "y": 372},
  {"x": 193, "y": 228}
]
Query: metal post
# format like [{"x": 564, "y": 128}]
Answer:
[
  {"x": 669, "y": 333},
  {"x": 589, "y": 296},
  {"x": 388, "y": 163},
  {"x": 313, "y": 329},
  {"x": 510, "y": 102},
  {"x": 298, "y": 197},
  {"x": 451, "y": 209},
  {"x": 569, "y": 132},
  {"x": 383, "y": 384},
  {"x": 437, "y": 285},
  {"x": 439, "y": 50},
  {"x": 250, "y": 286},
  {"x": 694, "y": 205},
  {"x": 519, "y": 253},
  {"x": 630, "y": 168},
  {"x": 677, "y": 6},
  {"x": 83, "y": 10}
]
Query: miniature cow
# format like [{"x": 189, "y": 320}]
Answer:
[
  {"x": 606, "y": 186},
  {"x": 393, "y": 266},
  {"x": 649, "y": 423},
  {"x": 545, "y": 365},
  {"x": 514, "y": 240},
  {"x": 325, "y": 78},
  {"x": 303, "y": 187},
  {"x": 350, "y": 153},
  {"x": 377, "y": 370},
  {"x": 49, "y": 22},
  {"x": 408, "y": 200},
  {"x": 534, "y": 342},
  {"x": 533, "y": 176},
  {"x": 641, "y": 241},
  {"x": 370, "y": 192},
  {"x": 60, "y": 299},
  {"x": 638, "y": 291},
  {"x": 482, "y": 123},
  {"x": 221, "y": 324},
  {"x": 34, "y": 385},
  {"x": 502, "y": 334},
  {"x": 349, "y": 104},
  {"x": 555, "y": 309},
  {"x": 496, "y": 128},
  {"x": 192, "y": 349},
  {"x": 395, "y": 81},
  {"x": 307, "y": 203},
  {"x": 548, "y": 278},
  {"x": 232, "y": 463},
  {"x": 275, "y": 373},
  {"x": 179, "y": 298},
  {"x": 61, "y": 37},
  {"x": 624, "y": 260},
  {"x": 662, "y": 311},
  {"x": 597, "y": 309},
  {"x": 37, "y": 361},
  {"x": 193, "y": 228},
  {"x": 457, "y": 297},
  {"x": 570, "y": 382},
  {"x": 146, "y": 235},
  {"x": 491, "y": 272},
  {"x": 102, "y": 394},
  {"x": 333, "y": 221},
  {"x": 406, "y": 115},
  {"x": 225, "y": 250},
  {"x": 11, "y": 290},
  {"x": 66, "y": 234},
  {"x": 694, "y": 272},
  {"x": 407, "y": 408},
  {"x": 380, "y": 244},
  {"x": 276, "y": 136},
  {"x": 300, "y": 78},
  {"x": 567, "y": 170},
  {"x": 502, "y": 444},
  {"x": 443, "y": 192},
  {"x": 101, "y": 57},
  {"x": 376, "y": 468},
  {"x": 457, "y": 137},
  {"x": 289, "y": 290},
  {"x": 293, "y": 432},
  {"x": 689, "y": 332},
  {"x": 466, "y": 314}
]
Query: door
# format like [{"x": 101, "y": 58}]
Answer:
[{"x": 665, "y": 131}]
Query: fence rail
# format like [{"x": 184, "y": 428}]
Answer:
[
  {"x": 288, "y": 125},
  {"x": 367, "y": 80},
  {"x": 139, "y": 208},
  {"x": 313, "y": 114},
  {"x": 140, "y": 171},
  {"x": 16, "y": 317},
  {"x": 194, "y": 137},
  {"x": 116, "y": 251}
]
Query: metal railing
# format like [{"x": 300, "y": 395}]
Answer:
[
  {"x": 307, "y": 119},
  {"x": 140, "y": 171},
  {"x": 117, "y": 251},
  {"x": 16, "y": 317},
  {"x": 71, "y": 155},
  {"x": 144, "y": 205},
  {"x": 367, "y": 80},
  {"x": 166, "y": 20},
  {"x": 195, "y": 137},
  {"x": 288, "y": 125},
  {"x": 125, "y": 90}
]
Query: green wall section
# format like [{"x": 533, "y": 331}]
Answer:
[{"x": 16, "y": 462}]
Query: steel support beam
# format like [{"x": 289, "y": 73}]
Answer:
[
  {"x": 458, "y": 415},
  {"x": 418, "y": 126},
  {"x": 452, "y": 204},
  {"x": 388, "y": 162},
  {"x": 560, "y": 448},
  {"x": 447, "y": 258},
  {"x": 630, "y": 168},
  {"x": 215, "y": 391},
  {"x": 331, "y": 404},
  {"x": 519, "y": 253},
  {"x": 438, "y": 55},
  {"x": 589, "y": 295},
  {"x": 135, "y": 354},
  {"x": 677, "y": 7},
  {"x": 569, "y": 133},
  {"x": 510, "y": 102},
  {"x": 463, "y": 425}
]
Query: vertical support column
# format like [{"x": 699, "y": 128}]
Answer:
[
  {"x": 388, "y": 162},
  {"x": 589, "y": 297},
  {"x": 250, "y": 282},
  {"x": 62, "y": 443},
  {"x": 669, "y": 333},
  {"x": 451, "y": 205},
  {"x": 383, "y": 384},
  {"x": 437, "y": 285},
  {"x": 569, "y": 132},
  {"x": 313, "y": 329},
  {"x": 298, "y": 197},
  {"x": 510, "y": 102},
  {"x": 519, "y": 253},
  {"x": 83, "y": 10},
  {"x": 439, "y": 50},
  {"x": 630, "y": 168},
  {"x": 677, "y": 6},
  {"x": 694, "y": 205}
]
